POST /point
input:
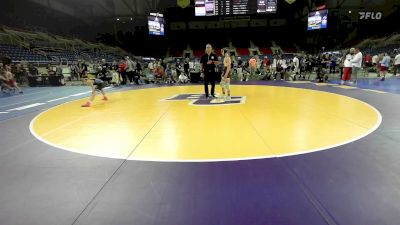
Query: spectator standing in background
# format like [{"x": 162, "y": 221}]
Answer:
[
  {"x": 375, "y": 62},
  {"x": 82, "y": 69},
  {"x": 368, "y": 60},
  {"x": 332, "y": 66},
  {"x": 347, "y": 66},
  {"x": 296, "y": 67},
  {"x": 396, "y": 62},
  {"x": 122, "y": 71},
  {"x": 130, "y": 69},
  {"x": 384, "y": 66},
  {"x": 356, "y": 63},
  {"x": 186, "y": 67}
]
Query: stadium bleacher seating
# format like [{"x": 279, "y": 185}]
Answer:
[{"x": 17, "y": 53}]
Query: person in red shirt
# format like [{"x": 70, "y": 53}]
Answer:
[
  {"x": 159, "y": 73},
  {"x": 10, "y": 79},
  {"x": 122, "y": 70},
  {"x": 368, "y": 60},
  {"x": 253, "y": 63},
  {"x": 267, "y": 64}
]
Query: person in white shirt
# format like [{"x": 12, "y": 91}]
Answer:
[
  {"x": 375, "y": 61},
  {"x": 347, "y": 66},
  {"x": 151, "y": 65},
  {"x": 280, "y": 68},
  {"x": 130, "y": 67},
  {"x": 296, "y": 65},
  {"x": 356, "y": 63},
  {"x": 273, "y": 65},
  {"x": 284, "y": 64},
  {"x": 396, "y": 62},
  {"x": 182, "y": 78}
]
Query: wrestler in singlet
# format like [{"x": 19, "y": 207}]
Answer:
[
  {"x": 227, "y": 62},
  {"x": 225, "y": 82},
  {"x": 225, "y": 68},
  {"x": 96, "y": 85},
  {"x": 99, "y": 84}
]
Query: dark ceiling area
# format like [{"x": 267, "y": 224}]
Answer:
[
  {"x": 123, "y": 23},
  {"x": 98, "y": 16}
]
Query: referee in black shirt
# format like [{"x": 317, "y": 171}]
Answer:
[{"x": 207, "y": 66}]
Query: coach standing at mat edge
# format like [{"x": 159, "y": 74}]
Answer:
[{"x": 208, "y": 62}]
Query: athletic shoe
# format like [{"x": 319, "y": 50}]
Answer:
[
  {"x": 383, "y": 79},
  {"x": 105, "y": 98},
  {"x": 87, "y": 104}
]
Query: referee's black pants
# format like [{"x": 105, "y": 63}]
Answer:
[{"x": 209, "y": 78}]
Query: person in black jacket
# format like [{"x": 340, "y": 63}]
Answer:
[
  {"x": 186, "y": 67},
  {"x": 208, "y": 63}
]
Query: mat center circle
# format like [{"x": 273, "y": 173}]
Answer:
[{"x": 149, "y": 124}]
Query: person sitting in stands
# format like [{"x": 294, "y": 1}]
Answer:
[
  {"x": 158, "y": 72},
  {"x": 11, "y": 79}
]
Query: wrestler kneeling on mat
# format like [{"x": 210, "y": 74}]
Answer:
[{"x": 96, "y": 85}]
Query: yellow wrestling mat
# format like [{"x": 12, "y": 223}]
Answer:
[{"x": 260, "y": 122}]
